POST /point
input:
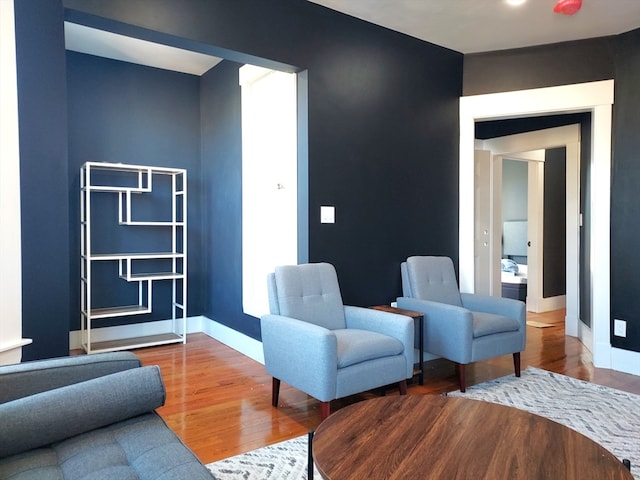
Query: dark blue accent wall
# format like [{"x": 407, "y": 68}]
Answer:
[
  {"x": 554, "y": 256},
  {"x": 383, "y": 136},
  {"x": 625, "y": 208},
  {"x": 574, "y": 62},
  {"x": 383, "y": 145},
  {"x": 125, "y": 113},
  {"x": 43, "y": 181},
  {"x": 222, "y": 172}
]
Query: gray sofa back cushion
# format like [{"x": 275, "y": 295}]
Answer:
[
  {"x": 24, "y": 379},
  {"x": 48, "y": 417}
]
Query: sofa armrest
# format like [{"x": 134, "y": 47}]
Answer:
[
  {"x": 25, "y": 379},
  {"x": 55, "y": 415}
]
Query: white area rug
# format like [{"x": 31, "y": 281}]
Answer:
[
  {"x": 284, "y": 460},
  {"x": 607, "y": 416}
]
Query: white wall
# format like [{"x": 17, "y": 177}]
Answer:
[{"x": 11, "y": 339}]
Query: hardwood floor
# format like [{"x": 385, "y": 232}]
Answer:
[{"x": 219, "y": 401}]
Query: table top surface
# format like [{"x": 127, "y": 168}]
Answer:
[
  {"x": 401, "y": 311},
  {"x": 438, "y": 437}
]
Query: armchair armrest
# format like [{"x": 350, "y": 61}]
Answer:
[
  {"x": 300, "y": 353},
  {"x": 448, "y": 329},
  {"x": 506, "y": 307},
  {"x": 391, "y": 324},
  {"x": 24, "y": 379}
]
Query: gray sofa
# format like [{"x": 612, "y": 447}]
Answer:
[{"x": 88, "y": 417}]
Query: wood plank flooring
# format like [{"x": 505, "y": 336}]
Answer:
[{"x": 219, "y": 401}]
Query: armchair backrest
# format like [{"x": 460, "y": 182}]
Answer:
[
  {"x": 308, "y": 292},
  {"x": 430, "y": 278}
]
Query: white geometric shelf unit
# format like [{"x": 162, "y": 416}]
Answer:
[{"x": 139, "y": 269}]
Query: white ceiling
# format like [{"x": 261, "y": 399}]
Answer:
[
  {"x": 119, "y": 47},
  {"x": 467, "y": 26},
  {"x": 471, "y": 26}
]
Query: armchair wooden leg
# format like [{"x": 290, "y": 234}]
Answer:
[
  {"x": 325, "y": 410},
  {"x": 516, "y": 363},
  {"x": 460, "y": 367},
  {"x": 402, "y": 387},
  {"x": 275, "y": 391}
]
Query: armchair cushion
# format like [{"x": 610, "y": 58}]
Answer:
[
  {"x": 433, "y": 278},
  {"x": 356, "y": 346},
  {"x": 310, "y": 293},
  {"x": 488, "y": 324}
]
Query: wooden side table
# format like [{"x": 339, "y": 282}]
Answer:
[{"x": 417, "y": 317}]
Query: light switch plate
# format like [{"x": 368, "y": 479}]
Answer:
[
  {"x": 619, "y": 328},
  {"x": 327, "y": 214}
]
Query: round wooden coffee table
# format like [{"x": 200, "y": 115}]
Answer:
[{"x": 436, "y": 437}]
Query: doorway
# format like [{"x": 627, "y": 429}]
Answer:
[
  {"x": 530, "y": 147},
  {"x": 594, "y": 97},
  {"x": 269, "y": 180}
]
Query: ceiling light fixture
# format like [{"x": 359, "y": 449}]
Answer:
[
  {"x": 515, "y": 3},
  {"x": 567, "y": 7}
]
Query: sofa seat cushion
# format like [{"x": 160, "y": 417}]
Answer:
[
  {"x": 356, "y": 346},
  {"x": 140, "y": 448},
  {"x": 490, "y": 324}
]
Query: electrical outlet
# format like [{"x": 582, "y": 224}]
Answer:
[{"x": 619, "y": 327}]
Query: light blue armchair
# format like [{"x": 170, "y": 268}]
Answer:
[
  {"x": 458, "y": 326},
  {"x": 316, "y": 344}
]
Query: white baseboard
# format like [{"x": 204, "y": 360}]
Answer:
[
  {"x": 546, "y": 304},
  {"x": 200, "y": 324},
  {"x": 244, "y": 344},
  {"x": 105, "y": 334},
  {"x": 585, "y": 335},
  {"x": 625, "y": 361},
  {"x": 620, "y": 360}
]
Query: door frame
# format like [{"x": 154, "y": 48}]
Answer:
[
  {"x": 530, "y": 147},
  {"x": 594, "y": 97}
]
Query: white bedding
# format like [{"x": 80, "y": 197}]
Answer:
[{"x": 520, "y": 277}]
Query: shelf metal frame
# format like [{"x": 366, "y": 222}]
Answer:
[{"x": 177, "y": 257}]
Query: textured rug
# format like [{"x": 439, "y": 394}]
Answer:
[
  {"x": 284, "y": 460},
  {"x": 607, "y": 416}
]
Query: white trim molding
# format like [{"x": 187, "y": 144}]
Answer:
[
  {"x": 244, "y": 344},
  {"x": 594, "y": 97}
]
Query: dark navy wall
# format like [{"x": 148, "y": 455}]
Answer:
[
  {"x": 625, "y": 208},
  {"x": 43, "y": 179},
  {"x": 554, "y": 256},
  {"x": 125, "y": 113},
  {"x": 383, "y": 135},
  {"x": 574, "y": 62},
  {"x": 542, "y": 66},
  {"x": 222, "y": 167}
]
